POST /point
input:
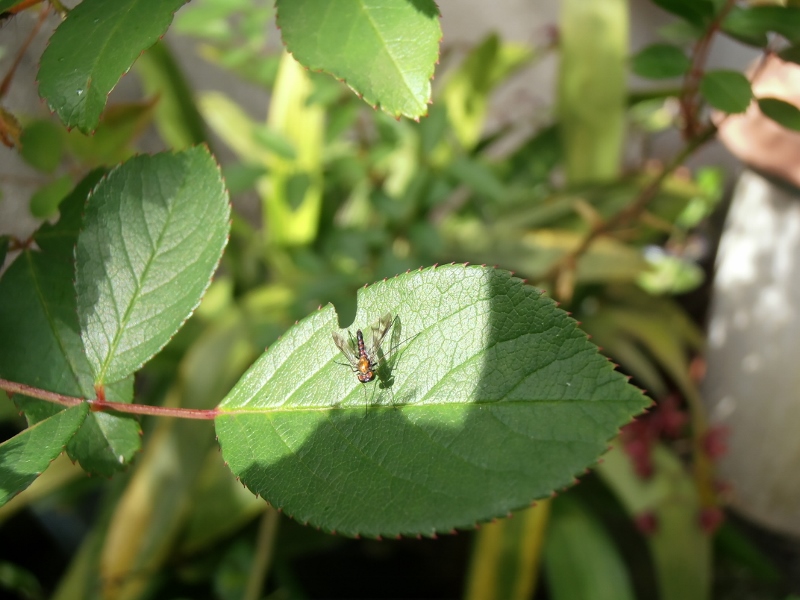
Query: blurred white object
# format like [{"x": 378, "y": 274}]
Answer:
[
  {"x": 753, "y": 383},
  {"x": 752, "y": 386}
]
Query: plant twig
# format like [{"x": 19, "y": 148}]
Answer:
[
  {"x": 632, "y": 210},
  {"x": 6, "y": 83},
  {"x": 103, "y": 405},
  {"x": 691, "y": 83}
]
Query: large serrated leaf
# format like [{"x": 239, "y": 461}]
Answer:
[
  {"x": 95, "y": 45},
  {"x": 488, "y": 398},
  {"x": 37, "y": 320},
  {"x": 153, "y": 233},
  {"x": 38, "y": 317},
  {"x": 384, "y": 50},
  {"x": 27, "y": 454}
]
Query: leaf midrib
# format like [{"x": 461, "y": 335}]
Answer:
[{"x": 112, "y": 353}]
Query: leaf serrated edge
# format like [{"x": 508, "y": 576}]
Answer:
[
  {"x": 227, "y": 197},
  {"x": 376, "y": 105},
  {"x": 509, "y": 512}
]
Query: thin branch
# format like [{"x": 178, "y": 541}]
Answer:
[
  {"x": 688, "y": 99},
  {"x": 6, "y": 83},
  {"x": 632, "y": 210},
  {"x": 102, "y": 405}
]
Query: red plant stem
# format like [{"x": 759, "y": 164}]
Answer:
[
  {"x": 630, "y": 212},
  {"x": 6, "y": 83},
  {"x": 101, "y": 405},
  {"x": 24, "y": 5},
  {"x": 688, "y": 101}
]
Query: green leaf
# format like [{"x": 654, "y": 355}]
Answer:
[
  {"x": 751, "y": 25},
  {"x": 152, "y": 236},
  {"x": 151, "y": 513},
  {"x": 45, "y": 200},
  {"x": 274, "y": 141},
  {"x": 660, "y": 61},
  {"x": 680, "y": 32},
  {"x": 476, "y": 175},
  {"x": 592, "y": 87},
  {"x": 6, "y": 4},
  {"x": 39, "y": 286},
  {"x": 739, "y": 25},
  {"x": 233, "y": 125},
  {"x": 780, "y": 111},
  {"x": 5, "y": 240},
  {"x": 95, "y": 45},
  {"x": 581, "y": 559},
  {"x": 112, "y": 141},
  {"x": 42, "y": 145},
  {"x": 38, "y": 319},
  {"x": 481, "y": 373},
  {"x": 291, "y": 195},
  {"x": 728, "y": 91},
  {"x": 506, "y": 555},
  {"x": 27, "y": 454},
  {"x": 59, "y": 239},
  {"x": 669, "y": 274},
  {"x": 790, "y": 54},
  {"x": 106, "y": 442},
  {"x": 21, "y": 582},
  {"x": 681, "y": 551},
  {"x": 241, "y": 177},
  {"x": 697, "y": 12},
  {"x": 177, "y": 118},
  {"x": 468, "y": 88},
  {"x": 226, "y": 507},
  {"x": 385, "y": 51}
]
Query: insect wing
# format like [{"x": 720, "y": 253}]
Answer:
[
  {"x": 379, "y": 331},
  {"x": 347, "y": 348}
]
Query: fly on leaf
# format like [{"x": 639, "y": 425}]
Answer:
[{"x": 364, "y": 357}]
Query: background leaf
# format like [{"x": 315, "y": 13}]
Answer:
[
  {"x": 497, "y": 399},
  {"x": 593, "y": 41},
  {"x": 506, "y": 556},
  {"x": 6, "y": 4},
  {"x": 153, "y": 234},
  {"x": 697, "y": 12},
  {"x": 27, "y": 454},
  {"x": 385, "y": 51},
  {"x": 728, "y": 91},
  {"x": 581, "y": 559},
  {"x": 94, "y": 46},
  {"x": 660, "y": 61},
  {"x": 752, "y": 24},
  {"x": 45, "y": 200},
  {"x": 42, "y": 145},
  {"x": 681, "y": 551},
  {"x": 780, "y": 111},
  {"x": 176, "y": 115}
]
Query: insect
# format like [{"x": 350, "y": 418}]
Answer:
[{"x": 363, "y": 357}]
